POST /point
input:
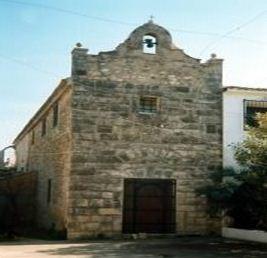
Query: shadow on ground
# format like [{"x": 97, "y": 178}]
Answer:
[{"x": 179, "y": 247}]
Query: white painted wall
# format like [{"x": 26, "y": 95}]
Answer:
[
  {"x": 243, "y": 234},
  {"x": 233, "y": 119}
]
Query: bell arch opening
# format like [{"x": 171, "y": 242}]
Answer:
[{"x": 149, "y": 44}]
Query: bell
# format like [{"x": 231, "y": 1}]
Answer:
[{"x": 149, "y": 43}]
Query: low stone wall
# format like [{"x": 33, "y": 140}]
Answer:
[
  {"x": 17, "y": 200},
  {"x": 244, "y": 234}
]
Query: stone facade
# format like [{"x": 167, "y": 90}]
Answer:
[{"x": 110, "y": 138}]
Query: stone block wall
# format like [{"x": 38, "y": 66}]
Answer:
[{"x": 113, "y": 140}]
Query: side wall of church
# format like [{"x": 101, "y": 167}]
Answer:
[{"x": 49, "y": 157}]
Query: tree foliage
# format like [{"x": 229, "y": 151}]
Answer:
[
  {"x": 219, "y": 191},
  {"x": 252, "y": 152},
  {"x": 242, "y": 194}
]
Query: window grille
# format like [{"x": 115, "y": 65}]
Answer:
[
  {"x": 148, "y": 105},
  {"x": 251, "y": 108}
]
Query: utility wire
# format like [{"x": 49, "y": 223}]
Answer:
[
  {"x": 36, "y": 5},
  {"x": 67, "y": 11},
  {"x": 26, "y": 64},
  {"x": 228, "y": 33},
  {"x": 62, "y": 10}
]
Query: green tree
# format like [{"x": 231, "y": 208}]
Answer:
[
  {"x": 219, "y": 190},
  {"x": 252, "y": 152},
  {"x": 251, "y": 196},
  {"x": 242, "y": 194}
]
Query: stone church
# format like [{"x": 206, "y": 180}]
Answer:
[{"x": 121, "y": 145}]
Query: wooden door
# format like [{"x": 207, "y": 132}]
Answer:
[{"x": 149, "y": 206}]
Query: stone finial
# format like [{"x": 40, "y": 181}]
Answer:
[
  {"x": 214, "y": 59},
  {"x": 213, "y": 56},
  {"x": 79, "y": 49}
]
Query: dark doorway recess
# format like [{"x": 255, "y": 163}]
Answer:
[{"x": 149, "y": 206}]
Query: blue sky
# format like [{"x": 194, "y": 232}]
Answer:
[{"x": 36, "y": 42}]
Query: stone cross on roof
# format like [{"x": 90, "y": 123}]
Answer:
[{"x": 151, "y": 18}]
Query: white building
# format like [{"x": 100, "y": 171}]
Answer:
[{"x": 240, "y": 104}]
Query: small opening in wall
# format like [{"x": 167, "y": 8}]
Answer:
[
  {"x": 211, "y": 129},
  {"x": 49, "y": 190},
  {"x": 149, "y": 44},
  {"x": 33, "y": 137},
  {"x": 55, "y": 114},
  {"x": 80, "y": 72},
  {"x": 43, "y": 132}
]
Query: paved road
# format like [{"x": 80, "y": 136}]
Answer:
[{"x": 184, "y": 247}]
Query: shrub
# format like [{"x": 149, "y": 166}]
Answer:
[{"x": 242, "y": 194}]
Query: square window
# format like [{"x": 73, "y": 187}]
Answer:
[
  {"x": 211, "y": 128},
  {"x": 148, "y": 105},
  {"x": 251, "y": 108}
]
